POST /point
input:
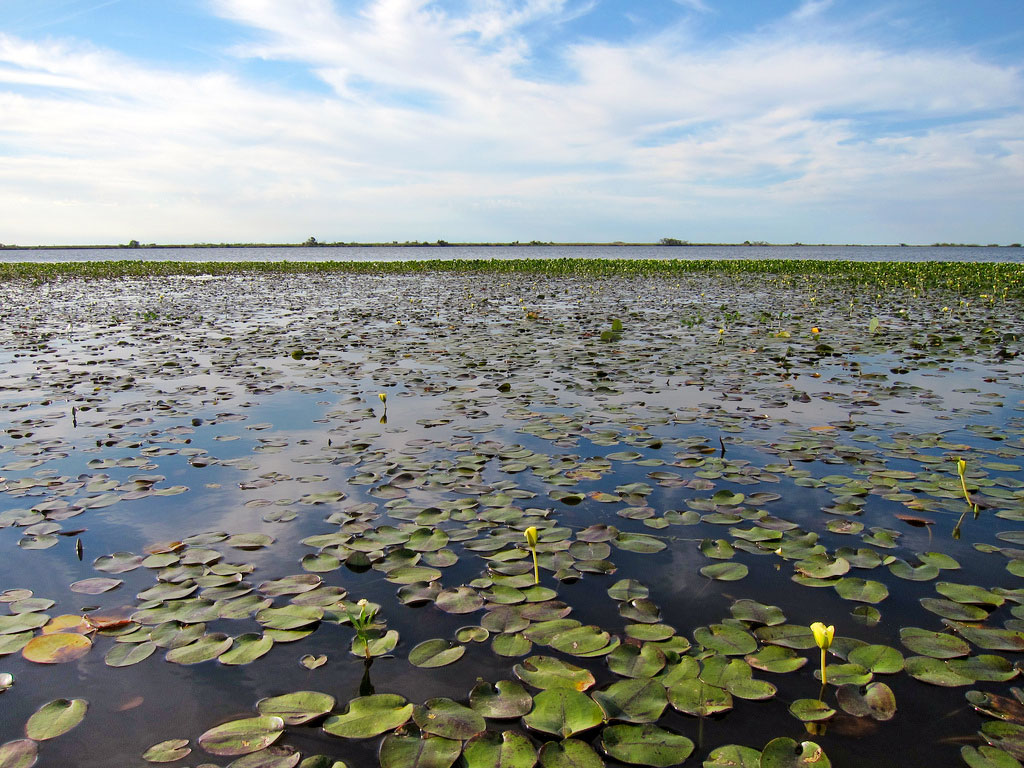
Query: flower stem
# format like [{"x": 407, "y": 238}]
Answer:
[{"x": 824, "y": 678}]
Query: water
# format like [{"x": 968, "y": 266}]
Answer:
[{"x": 404, "y": 253}]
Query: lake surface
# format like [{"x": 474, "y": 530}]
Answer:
[
  {"x": 387, "y": 253},
  {"x": 712, "y": 464}
]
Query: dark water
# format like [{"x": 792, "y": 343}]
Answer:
[{"x": 395, "y": 253}]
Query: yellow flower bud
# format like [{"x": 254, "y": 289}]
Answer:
[
  {"x": 531, "y": 537},
  {"x": 823, "y": 635},
  {"x": 383, "y": 398}
]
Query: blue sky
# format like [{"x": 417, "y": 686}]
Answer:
[{"x": 877, "y": 121}]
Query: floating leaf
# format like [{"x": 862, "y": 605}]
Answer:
[
  {"x": 633, "y": 701},
  {"x": 784, "y": 752},
  {"x": 246, "y": 649},
  {"x": 240, "y": 737},
  {"x": 298, "y": 707},
  {"x": 55, "y": 718},
  {"x": 563, "y": 711},
  {"x": 506, "y": 699},
  {"x": 416, "y": 752},
  {"x": 167, "y": 751},
  {"x": 877, "y": 701},
  {"x": 56, "y": 648},
  {"x": 546, "y": 672},
  {"x": 447, "y": 718},
  {"x": 645, "y": 745},
  {"x": 435, "y": 653},
  {"x": 20, "y": 753},
  {"x": 124, "y": 655},
  {"x": 570, "y": 753},
  {"x": 508, "y": 749},
  {"x": 369, "y": 716}
]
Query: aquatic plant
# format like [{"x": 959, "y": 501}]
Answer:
[
  {"x": 531, "y": 541},
  {"x": 823, "y": 639}
]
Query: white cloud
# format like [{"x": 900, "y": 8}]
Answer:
[{"x": 433, "y": 131}]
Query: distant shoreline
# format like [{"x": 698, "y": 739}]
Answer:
[{"x": 514, "y": 244}]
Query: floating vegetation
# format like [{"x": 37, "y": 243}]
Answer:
[{"x": 599, "y": 526}]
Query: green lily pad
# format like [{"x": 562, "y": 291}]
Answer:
[
  {"x": 968, "y": 593},
  {"x": 879, "y": 659},
  {"x": 935, "y": 672},
  {"x": 447, "y": 718},
  {"x": 435, "y": 653},
  {"x": 776, "y": 659},
  {"x": 206, "y": 648},
  {"x": 375, "y": 644},
  {"x": 547, "y": 672},
  {"x": 627, "y": 589},
  {"x": 580, "y": 640},
  {"x": 506, "y": 699},
  {"x": 509, "y": 749},
  {"x": 645, "y": 745},
  {"x": 950, "y": 609},
  {"x": 20, "y": 753},
  {"x": 695, "y": 697},
  {"x": 298, "y": 707},
  {"x": 937, "y": 645},
  {"x": 563, "y": 712},
  {"x": 240, "y": 737},
  {"x": 987, "y": 757},
  {"x": 733, "y": 756},
  {"x": 511, "y": 645},
  {"x": 986, "y": 667},
  {"x": 418, "y": 752},
  {"x": 633, "y": 701},
  {"x": 784, "y": 752},
  {"x": 877, "y": 701},
  {"x": 725, "y": 571},
  {"x": 861, "y": 590},
  {"x": 638, "y": 542},
  {"x": 369, "y": 716},
  {"x": 125, "y": 655},
  {"x": 570, "y": 753},
  {"x": 246, "y": 649},
  {"x": 55, "y": 718},
  {"x": 786, "y": 635},
  {"x": 636, "y": 662},
  {"x": 757, "y": 613},
  {"x": 991, "y": 638},
  {"x": 167, "y": 751},
  {"x": 810, "y": 710},
  {"x": 459, "y": 600},
  {"x": 724, "y": 638}
]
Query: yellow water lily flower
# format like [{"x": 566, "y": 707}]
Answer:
[
  {"x": 383, "y": 398},
  {"x": 823, "y": 638},
  {"x": 823, "y": 635},
  {"x": 531, "y": 541}
]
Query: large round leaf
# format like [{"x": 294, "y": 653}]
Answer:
[
  {"x": 645, "y": 745},
  {"x": 435, "y": 653},
  {"x": 784, "y": 752},
  {"x": 509, "y": 749},
  {"x": 504, "y": 700},
  {"x": 570, "y": 753},
  {"x": 298, "y": 707},
  {"x": 695, "y": 697},
  {"x": 415, "y": 752},
  {"x": 240, "y": 737},
  {"x": 20, "y": 753},
  {"x": 877, "y": 701},
  {"x": 55, "y": 718},
  {"x": 633, "y": 701},
  {"x": 725, "y": 638},
  {"x": 548, "y": 672},
  {"x": 369, "y": 716},
  {"x": 57, "y": 648},
  {"x": 563, "y": 712},
  {"x": 447, "y": 718},
  {"x": 206, "y": 648}
]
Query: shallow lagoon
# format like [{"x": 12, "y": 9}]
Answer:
[{"x": 711, "y": 456}]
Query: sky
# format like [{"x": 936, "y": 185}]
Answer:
[{"x": 818, "y": 121}]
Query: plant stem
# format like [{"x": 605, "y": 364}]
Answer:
[{"x": 824, "y": 678}]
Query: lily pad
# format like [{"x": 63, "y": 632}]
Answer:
[
  {"x": 240, "y": 737},
  {"x": 369, "y": 716},
  {"x": 447, "y": 718},
  {"x": 547, "y": 672},
  {"x": 645, "y": 745},
  {"x": 435, "y": 653},
  {"x": 563, "y": 712},
  {"x": 399, "y": 751},
  {"x": 56, "y": 648},
  {"x": 55, "y": 718},
  {"x": 506, "y": 699},
  {"x": 784, "y": 752},
  {"x": 633, "y": 701},
  {"x": 298, "y": 707},
  {"x": 570, "y": 753},
  {"x": 509, "y": 749}
]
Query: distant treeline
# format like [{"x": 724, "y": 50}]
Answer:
[{"x": 314, "y": 243}]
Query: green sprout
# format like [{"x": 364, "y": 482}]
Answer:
[
  {"x": 823, "y": 639},
  {"x": 531, "y": 540},
  {"x": 363, "y": 623}
]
